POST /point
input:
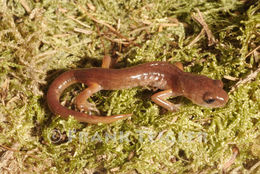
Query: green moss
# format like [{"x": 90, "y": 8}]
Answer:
[{"x": 35, "y": 47}]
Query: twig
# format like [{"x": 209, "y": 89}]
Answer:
[
  {"x": 80, "y": 30},
  {"x": 235, "y": 170},
  {"x": 254, "y": 167},
  {"x": 42, "y": 56},
  {"x": 8, "y": 148},
  {"x": 247, "y": 79},
  {"x": 251, "y": 52},
  {"x": 117, "y": 40},
  {"x": 102, "y": 41},
  {"x": 230, "y": 78},
  {"x": 15, "y": 150},
  {"x": 91, "y": 7},
  {"x": 200, "y": 19},
  {"x": 197, "y": 38},
  {"x": 162, "y": 25},
  {"x": 25, "y": 6},
  {"x": 112, "y": 29},
  {"x": 231, "y": 160},
  {"x": 78, "y": 21},
  {"x": 139, "y": 29}
]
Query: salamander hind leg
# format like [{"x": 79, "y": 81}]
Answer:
[
  {"x": 81, "y": 100},
  {"x": 160, "y": 98}
]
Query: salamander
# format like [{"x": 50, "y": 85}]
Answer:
[{"x": 169, "y": 78}]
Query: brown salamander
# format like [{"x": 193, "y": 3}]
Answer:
[{"x": 200, "y": 89}]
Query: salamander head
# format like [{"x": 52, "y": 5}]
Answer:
[{"x": 204, "y": 91}]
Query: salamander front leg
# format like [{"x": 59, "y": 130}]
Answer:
[
  {"x": 81, "y": 100},
  {"x": 160, "y": 98},
  {"x": 179, "y": 65},
  {"x": 106, "y": 62}
]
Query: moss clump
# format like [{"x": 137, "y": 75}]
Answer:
[{"x": 39, "y": 38}]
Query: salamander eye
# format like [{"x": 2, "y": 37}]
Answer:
[
  {"x": 209, "y": 101},
  {"x": 207, "y": 97}
]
